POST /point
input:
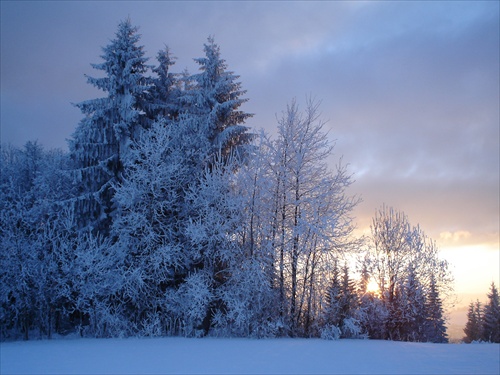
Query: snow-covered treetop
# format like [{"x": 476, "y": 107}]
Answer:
[
  {"x": 125, "y": 65},
  {"x": 123, "y": 58},
  {"x": 216, "y": 94}
]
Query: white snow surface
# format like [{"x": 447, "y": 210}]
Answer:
[{"x": 244, "y": 356}]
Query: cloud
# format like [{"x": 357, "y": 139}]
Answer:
[
  {"x": 437, "y": 205},
  {"x": 455, "y": 236}
]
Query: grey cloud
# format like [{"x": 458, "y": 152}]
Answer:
[{"x": 416, "y": 115}]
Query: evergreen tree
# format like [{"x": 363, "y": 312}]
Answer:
[
  {"x": 364, "y": 279},
  {"x": 211, "y": 104},
  {"x": 407, "y": 310},
  {"x": 435, "y": 329},
  {"x": 333, "y": 307},
  {"x": 166, "y": 88},
  {"x": 413, "y": 306},
  {"x": 491, "y": 316},
  {"x": 331, "y": 313},
  {"x": 102, "y": 142},
  {"x": 349, "y": 305},
  {"x": 474, "y": 327},
  {"x": 215, "y": 95},
  {"x": 342, "y": 304}
]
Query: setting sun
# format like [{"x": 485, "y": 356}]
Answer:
[{"x": 372, "y": 287}]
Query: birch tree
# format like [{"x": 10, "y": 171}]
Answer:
[{"x": 312, "y": 213}]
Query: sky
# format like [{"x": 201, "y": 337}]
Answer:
[{"x": 410, "y": 90}]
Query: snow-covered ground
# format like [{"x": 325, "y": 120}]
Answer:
[{"x": 244, "y": 356}]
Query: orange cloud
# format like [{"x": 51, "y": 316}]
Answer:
[{"x": 455, "y": 236}]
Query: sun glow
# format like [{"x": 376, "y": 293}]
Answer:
[{"x": 372, "y": 287}]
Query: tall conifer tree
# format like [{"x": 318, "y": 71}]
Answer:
[
  {"x": 166, "y": 89},
  {"x": 101, "y": 144},
  {"x": 491, "y": 317},
  {"x": 473, "y": 327},
  {"x": 215, "y": 96},
  {"x": 435, "y": 322},
  {"x": 332, "y": 311}
]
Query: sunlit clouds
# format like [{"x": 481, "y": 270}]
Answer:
[{"x": 455, "y": 236}]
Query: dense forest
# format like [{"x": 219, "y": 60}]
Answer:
[{"x": 169, "y": 216}]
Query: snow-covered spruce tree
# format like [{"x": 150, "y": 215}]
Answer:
[
  {"x": 491, "y": 316},
  {"x": 166, "y": 88},
  {"x": 341, "y": 313},
  {"x": 474, "y": 327},
  {"x": 214, "y": 95},
  {"x": 312, "y": 221},
  {"x": 435, "y": 328},
  {"x": 211, "y": 101},
  {"x": 332, "y": 309},
  {"x": 101, "y": 144},
  {"x": 408, "y": 310},
  {"x": 349, "y": 303}
]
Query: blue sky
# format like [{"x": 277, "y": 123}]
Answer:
[{"x": 410, "y": 89}]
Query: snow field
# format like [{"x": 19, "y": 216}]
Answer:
[{"x": 244, "y": 356}]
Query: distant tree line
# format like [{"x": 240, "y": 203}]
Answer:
[
  {"x": 483, "y": 322},
  {"x": 170, "y": 217}
]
